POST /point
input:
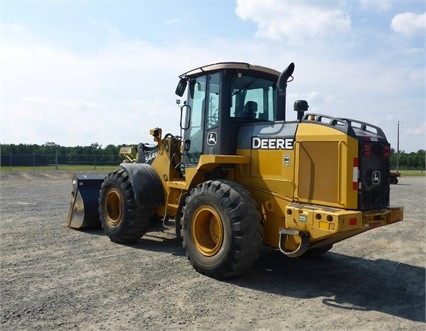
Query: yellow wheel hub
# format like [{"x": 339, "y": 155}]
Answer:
[
  {"x": 113, "y": 207},
  {"x": 207, "y": 230}
]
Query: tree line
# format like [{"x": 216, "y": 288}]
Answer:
[
  {"x": 409, "y": 161},
  {"x": 51, "y": 153}
]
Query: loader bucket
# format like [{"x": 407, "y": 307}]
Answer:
[{"x": 84, "y": 202}]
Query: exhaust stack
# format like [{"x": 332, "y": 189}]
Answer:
[{"x": 282, "y": 90}]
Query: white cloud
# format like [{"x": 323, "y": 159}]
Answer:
[
  {"x": 294, "y": 21},
  {"x": 116, "y": 92},
  {"x": 53, "y": 94},
  {"x": 114, "y": 95},
  {"x": 419, "y": 130},
  {"x": 172, "y": 21},
  {"x": 409, "y": 24},
  {"x": 110, "y": 30},
  {"x": 376, "y": 5},
  {"x": 413, "y": 51}
]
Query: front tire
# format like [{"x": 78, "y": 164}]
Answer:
[
  {"x": 221, "y": 229},
  {"x": 122, "y": 219}
]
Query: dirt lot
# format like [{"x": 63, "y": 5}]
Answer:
[{"x": 56, "y": 278}]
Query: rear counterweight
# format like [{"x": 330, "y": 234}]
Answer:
[{"x": 374, "y": 169}]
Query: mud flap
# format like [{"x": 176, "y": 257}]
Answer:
[{"x": 84, "y": 202}]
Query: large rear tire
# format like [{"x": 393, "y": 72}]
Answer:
[
  {"x": 122, "y": 219},
  {"x": 221, "y": 229}
]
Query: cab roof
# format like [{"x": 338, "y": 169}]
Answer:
[{"x": 229, "y": 65}]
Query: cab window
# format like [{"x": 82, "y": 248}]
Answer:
[{"x": 252, "y": 98}]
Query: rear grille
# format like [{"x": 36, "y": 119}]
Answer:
[{"x": 373, "y": 175}]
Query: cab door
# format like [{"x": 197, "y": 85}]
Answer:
[{"x": 202, "y": 134}]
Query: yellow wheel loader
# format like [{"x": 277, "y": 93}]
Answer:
[{"x": 240, "y": 175}]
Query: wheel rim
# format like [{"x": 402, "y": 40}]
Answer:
[
  {"x": 207, "y": 230},
  {"x": 113, "y": 210}
]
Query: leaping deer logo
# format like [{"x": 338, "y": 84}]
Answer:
[
  {"x": 212, "y": 138},
  {"x": 376, "y": 177}
]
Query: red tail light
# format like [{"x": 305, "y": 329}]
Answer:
[{"x": 386, "y": 151}]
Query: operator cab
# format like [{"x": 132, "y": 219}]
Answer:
[{"x": 220, "y": 98}]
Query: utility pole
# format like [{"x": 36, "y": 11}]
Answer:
[{"x": 397, "y": 148}]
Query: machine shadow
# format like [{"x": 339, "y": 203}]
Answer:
[
  {"x": 160, "y": 238},
  {"x": 346, "y": 282},
  {"x": 93, "y": 230}
]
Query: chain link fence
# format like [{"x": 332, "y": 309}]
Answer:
[{"x": 56, "y": 160}]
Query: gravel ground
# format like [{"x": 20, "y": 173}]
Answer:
[{"x": 57, "y": 278}]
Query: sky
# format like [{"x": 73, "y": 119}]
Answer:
[{"x": 83, "y": 72}]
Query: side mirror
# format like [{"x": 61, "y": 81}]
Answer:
[
  {"x": 181, "y": 87},
  {"x": 185, "y": 116}
]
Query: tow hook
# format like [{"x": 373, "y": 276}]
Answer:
[{"x": 303, "y": 246}]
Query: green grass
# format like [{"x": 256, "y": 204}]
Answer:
[
  {"x": 411, "y": 172},
  {"x": 109, "y": 168}
]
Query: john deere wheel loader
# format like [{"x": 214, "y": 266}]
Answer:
[{"x": 240, "y": 175}]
